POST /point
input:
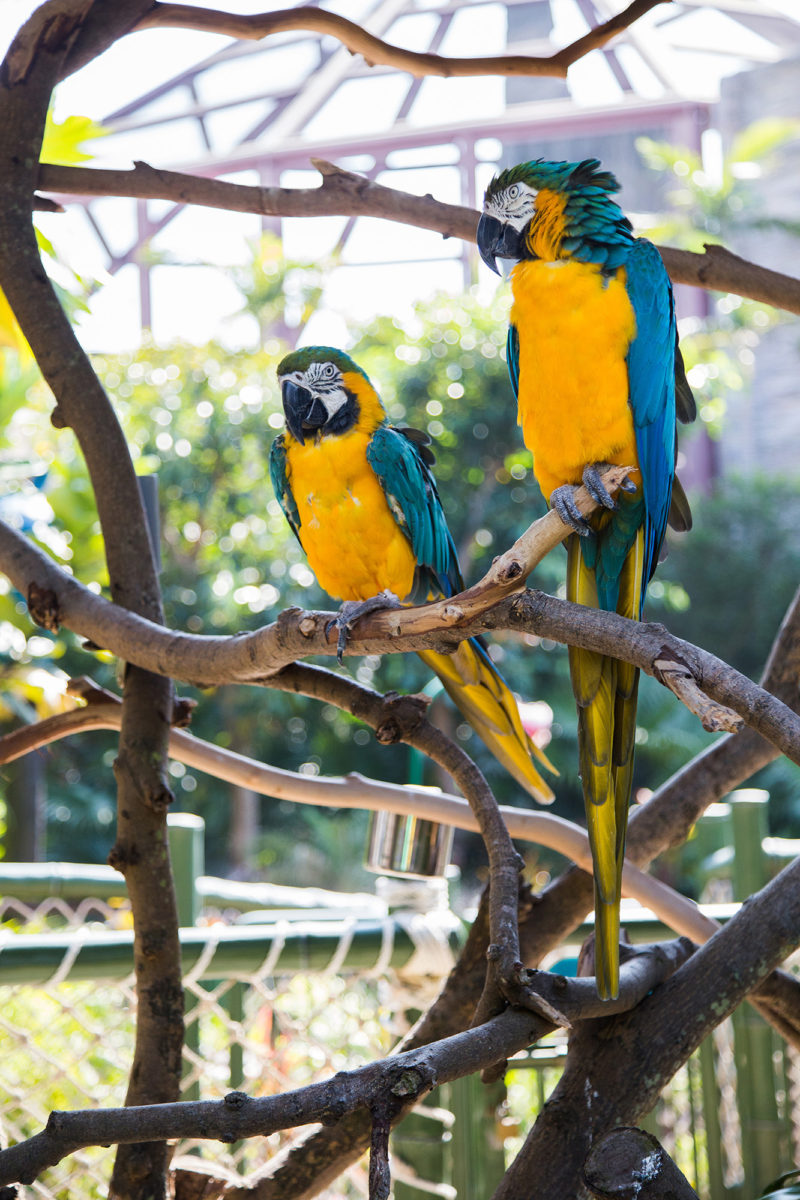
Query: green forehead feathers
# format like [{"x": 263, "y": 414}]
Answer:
[
  {"x": 558, "y": 176},
  {"x": 301, "y": 360}
]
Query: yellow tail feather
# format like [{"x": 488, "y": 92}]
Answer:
[
  {"x": 605, "y": 692},
  {"x": 489, "y": 706}
]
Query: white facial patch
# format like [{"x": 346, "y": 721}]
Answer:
[
  {"x": 513, "y": 206},
  {"x": 324, "y": 380}
]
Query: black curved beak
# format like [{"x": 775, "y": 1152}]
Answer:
[
  {"x": 304, "y": 411},
  {"x": 496, "y": 240}
]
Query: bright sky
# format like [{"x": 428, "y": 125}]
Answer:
[{"x": 197, "y": 302}]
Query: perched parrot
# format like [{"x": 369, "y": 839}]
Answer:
[
  {"x": 361, "y": 499},
  {"x": 599, "y": 379}
]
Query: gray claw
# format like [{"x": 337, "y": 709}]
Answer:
[
  {"x": 595, "y": 486},
  {"x": 352, "y": 610},
  {"x": 563, "y": 501}
]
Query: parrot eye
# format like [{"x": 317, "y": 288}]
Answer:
[
  {"x": 513, "y": 191},
  {"x": 328, "y": 371}
]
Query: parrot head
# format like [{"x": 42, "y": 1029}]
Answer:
[
  {"x": 323, "y": 391},
  {"x": 552, "y": 211}
]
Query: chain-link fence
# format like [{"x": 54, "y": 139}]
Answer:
[
  {"x": 276, "y": 999},
  {"x": 66, "y": 1042}
]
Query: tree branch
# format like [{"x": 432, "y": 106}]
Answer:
[
  {"x": 354, "y": 791},
  {"x": 345, "y": 193},
  {"x": 377, "y": 52},
  {"x": 27, "y": 78},
  {"x": 662, "y": 1031},
  {"x": 629, "y": 1164},
  {"x": 238, "y": 1116},
  {"x": 254, "y": 657}
]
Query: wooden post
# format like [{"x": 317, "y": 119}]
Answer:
[
  {"x": 187, "y": 853},
  {"x": 763, "y": 1147}
]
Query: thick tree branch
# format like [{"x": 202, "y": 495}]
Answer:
[
  {"x": 662, "y": 1031},
  {"x": 344, "y": 193},
  {"x": 27, "y": 77},
  {"x": 239, "y": 1116},
  {"x": 629, "y": 1164}
]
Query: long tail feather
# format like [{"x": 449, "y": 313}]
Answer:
[
  {"x": 606, "y": 693},
  {"x": 474, "y": 685}
]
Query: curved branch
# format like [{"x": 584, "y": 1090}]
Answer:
[
  {"x": 551, "y": 916},
  {"x": 237, "y": 1116},
  {"x": 355, "y": 791},
  {"x": 375, "y": 51},
  {"x": 344, "y": 193}
]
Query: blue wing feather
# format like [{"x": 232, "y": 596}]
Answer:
[
  {"x": 512, "y": 357},
  {"x": 651, "y": 378},
  {"x": 411, "y": 491},
  {"x": 280, "y": 484}
]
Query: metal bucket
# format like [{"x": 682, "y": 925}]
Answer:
[{"x": 408, "y": 846}]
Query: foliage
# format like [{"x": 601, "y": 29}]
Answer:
[
  {"x": 203, "y": 419},
  {"x": 714, "y": 206},
  {"x": 739, "y": 567},
  {"x": 281, "y": 293}
]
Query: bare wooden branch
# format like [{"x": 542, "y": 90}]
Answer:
[
  {"x": 374, "y": 50},
  {"x": 547, "y": 918},
  {"x": 715, "y": 718},
  {"x": 238, "y": 1116},
  {"x": 27, "y": 78},
  {"x": 345, "y": 193},
  {"x": 255, "y": 657},
  {"x": 663, "y": 1031}
]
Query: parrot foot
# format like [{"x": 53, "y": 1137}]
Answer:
[
  {"x": 562, "y": 500},
  {"x": 352, "y": 610},
  {"x": 598, "y": 490}
]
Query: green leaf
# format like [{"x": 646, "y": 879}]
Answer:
[
  {"x": 63, "y": 139},
  {"x": 760, "y": 139}
]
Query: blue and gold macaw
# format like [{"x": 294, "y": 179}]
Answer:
[
  {"x": 594, "y": 361},
  {"x": 362, "y": 501}
]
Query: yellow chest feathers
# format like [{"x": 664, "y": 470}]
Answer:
[
  {"x": 353, "y": 543},
  {"x": 575, "y": 328}
]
